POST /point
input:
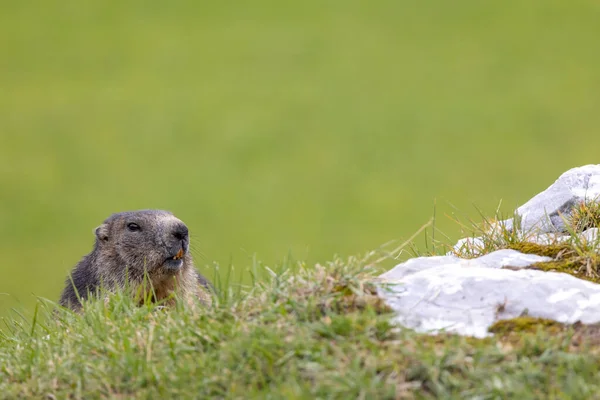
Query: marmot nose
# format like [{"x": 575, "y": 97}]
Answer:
[{"x": 180, "y": 232}]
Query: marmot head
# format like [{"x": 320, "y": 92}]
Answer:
[{"x": 145, "y": 240}]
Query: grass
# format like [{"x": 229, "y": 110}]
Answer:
[{"x": 297, "y": 331}]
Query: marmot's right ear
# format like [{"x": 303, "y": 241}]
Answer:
[{"x": 102, "y": 233}]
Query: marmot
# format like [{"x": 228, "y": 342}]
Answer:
[{"x": 130, "y": 245}]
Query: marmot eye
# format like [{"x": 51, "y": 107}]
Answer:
[{"x": 133, "y": 227}]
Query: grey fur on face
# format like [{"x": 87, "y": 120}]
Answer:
[{"x": 146, "y": 240}]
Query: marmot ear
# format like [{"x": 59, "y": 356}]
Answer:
[{"x": 102, "y": 233}]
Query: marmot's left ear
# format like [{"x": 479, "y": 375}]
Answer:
[{"x": 102, "y": 233}]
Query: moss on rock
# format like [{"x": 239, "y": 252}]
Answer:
[
  {"x": 566, "y": 259},
  {"x": 554, "y": 250},
  {"x": 580, "y": 267},
  {"x": 525, "y": 324}
]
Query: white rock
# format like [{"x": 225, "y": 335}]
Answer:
[
  {"x": 466, "y": 297},
  {"x": 471, "y": 246},
  {"x": 591, "y": 236},
  {"x": 542, "y": 213}
]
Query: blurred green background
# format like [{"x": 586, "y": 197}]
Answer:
[{"x": 269, "y": 127}]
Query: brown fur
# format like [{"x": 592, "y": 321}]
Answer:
[{"x": 131, "y": 246}]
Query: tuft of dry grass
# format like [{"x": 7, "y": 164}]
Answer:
[{"x": 585, "y": 215}]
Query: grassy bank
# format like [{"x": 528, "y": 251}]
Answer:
[{"x": 297, "y": 332}]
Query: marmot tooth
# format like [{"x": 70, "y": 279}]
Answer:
[{"x": 178, "y": 255}]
